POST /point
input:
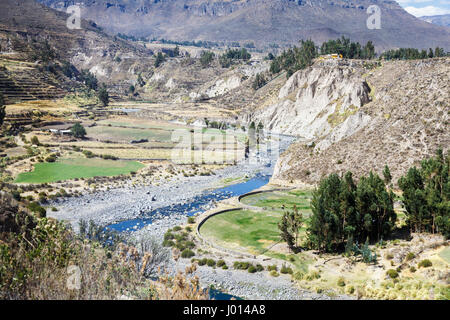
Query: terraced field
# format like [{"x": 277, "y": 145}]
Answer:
[
  {"x": 66, "y": 169},
  {"x": 252, "y": 230},
  {"x": 278, "y": 201}
]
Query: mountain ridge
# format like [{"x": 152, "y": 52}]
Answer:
[{"x": 263, "y": 22}]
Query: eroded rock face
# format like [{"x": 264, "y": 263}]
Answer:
[
  {"x": 318, "y": 101},
  {"x": 402, "y": 120}
]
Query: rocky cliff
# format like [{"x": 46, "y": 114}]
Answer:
[{"x": 360, "y": 117}]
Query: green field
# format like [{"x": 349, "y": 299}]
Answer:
[
  {"x": 445, "y": 254},
  {"x": 67, "y": 169},
  {"x": 127, "y": 134},
  {"x": 243, "y": 228},
  {"x": 257, "y": 231},
  {"x": 275, "y": 201}
]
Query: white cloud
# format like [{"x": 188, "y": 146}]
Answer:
[{"x": 427, "y": 11}]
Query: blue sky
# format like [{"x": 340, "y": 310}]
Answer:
[{"x": 420, "y": 8}]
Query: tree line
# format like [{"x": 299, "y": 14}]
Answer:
[
  {"x": 345, "y": 212},
  {"x": 297, "y": 58}
]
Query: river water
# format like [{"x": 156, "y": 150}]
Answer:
[{"x": 263, "y": 167}]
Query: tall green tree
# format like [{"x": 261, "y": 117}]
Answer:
[
  {"x": 387, "y": 175},
  {"x": 103, "y": 96},
  {"x": 78, "y": 131},
  {"x": 290, "y": 227},
  {"x": 2, "y": 109},
  {"x": 159, "y": 59}
]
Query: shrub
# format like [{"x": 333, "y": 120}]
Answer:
[
  {"x": 177, "y": 228},
  {"x": 191, "y": 220},
  {"x": 410, "y": 256},
  {"x": 299, "y": 275},
  {"x": 272, "y": 268},
  {"x": 259, "y": 268},
  {"x": 341, "y": 282},
  {"x": 389, "y": 256},
  {"x": 412, "y": 269},
  {"x": 202, "y": 262},
  {"x": 425, "y": 263},
  {"x": 286, "y": 270},
  {"x": 187, "y": 253},
  {"x": 392, "y": 273},
  {"x": 221, "y": 263},
  {"x": 78, "y": 131},
  {"x": 251, "y": 269},
  {"x": 51, "y": 158},
  {"x": 36, "y": 208},
  {"x": 241, "y": 265},
  {"x": 350, "y": 289},
  {"x": 211, "y": 263},
  {"x": 274, "y": 273}
]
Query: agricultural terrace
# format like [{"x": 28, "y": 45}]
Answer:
[
  {"x": 256, "y": 231},
  {"x": 138, "y": 139},
  {"x": 66, "y": 169}
]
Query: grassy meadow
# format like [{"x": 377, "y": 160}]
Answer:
[{"x": 66, "y": 169}]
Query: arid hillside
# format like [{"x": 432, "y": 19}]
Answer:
[
  {"x": 26, "y": 27},
  {"x": 359, "y": 117},
  {"x": 263, "y": 22}
]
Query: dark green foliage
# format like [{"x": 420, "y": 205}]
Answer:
[
  {"x": 392, "y": 273},
  {"x": 259, "y": 82},
  {"x": 290, "y": 225},
  {"x": 187, "y": 253},
  {"x": 343, "y": 211},
  {"x": 286, "y": 270},
  {"x": 412, "y": 54},
  {"x": 36, "y": 208},
  {"x": 221, "y": 263},
  {"x": 103, "y": 96},
  {"x": 159, "y": 59},
  {"x": 89, "y": 79},
  {"x": 387, "y": 175},
  {"x": 78, "y": 131},
  {"x": 295, "y": 59},
  {"x": 2, "y": 109},
  {"x": 94, "y": 232},
  {"x": 348, "y": 49},
  {"x": 251, "y": 269},
  {"x": 426, "y": 195},
  {"x": 206, "y": 58},
  {"x": 191, "y": 220},
  {"x": 425, "y": 263},
  {"x": 227, "y": 59},
  {"x": 44, "y": 52},
  {"x": 34, "y": 140}
]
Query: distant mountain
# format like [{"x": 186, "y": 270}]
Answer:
[
  {"x": 441, "y": 20},
  {"x": 263, "y": 22},
  {"x": 25, "y": 26}
]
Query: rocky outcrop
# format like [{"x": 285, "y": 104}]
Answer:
[
  {"x": 319, "y": 103},
  {"x": 405, "y": 122}
]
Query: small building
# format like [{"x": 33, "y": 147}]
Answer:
[{"x": 61, "y": 132}]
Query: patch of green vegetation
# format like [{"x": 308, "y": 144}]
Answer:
[
  {"x": 276, "y": 201},
  {"x": 339, "y": 117},
  {"x": 445, "y": 254},
  {"x": 128, "y": 134},
  {"x": 67, "y": 169},
  {"x": 253, "y": 230}
]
